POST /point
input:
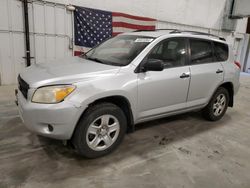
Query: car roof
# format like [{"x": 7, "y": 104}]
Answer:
[
  {"x": 172, "y": 33},
  {"x": 153, "y": 34}
]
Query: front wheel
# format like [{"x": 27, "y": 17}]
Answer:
[
  {"x": 100, "y": 130},
  {"x": 217, "y": 106}
]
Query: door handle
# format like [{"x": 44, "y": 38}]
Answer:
[
  {"x": 185, "y": 75},
  {"x": 219, "y": 71}
]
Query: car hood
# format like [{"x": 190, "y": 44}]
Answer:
[{"x": 66, "y": 71}]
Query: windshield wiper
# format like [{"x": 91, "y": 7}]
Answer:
[
  {"x": 95, "y": 59},
  {"x": 101, "y": 61}
]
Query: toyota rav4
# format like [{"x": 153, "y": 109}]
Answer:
[{"x": 94, "y": 99}]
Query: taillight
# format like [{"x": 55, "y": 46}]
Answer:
[{"x": 237, "y": 64}]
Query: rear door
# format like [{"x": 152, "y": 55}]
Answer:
[{"x": 206, "y": 72}]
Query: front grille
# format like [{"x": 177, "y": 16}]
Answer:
[{"x": 23, "y": 86}]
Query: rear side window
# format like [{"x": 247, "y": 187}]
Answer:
[
  {"x": 220, "y": 51},
  {"x": 201, "y": 51}
]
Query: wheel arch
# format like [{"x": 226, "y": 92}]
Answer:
[
  {"x": 118, "y": 100},
  {"x": 229, "y": 87}
]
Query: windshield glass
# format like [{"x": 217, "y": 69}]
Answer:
[{"x": 120, "y": 50}]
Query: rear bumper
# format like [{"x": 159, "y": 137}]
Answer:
[{"x": 39, "y": 118}]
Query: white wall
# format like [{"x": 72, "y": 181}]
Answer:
[
  {"x": 241, "y": 25},
  {"x": 51, "y": 26},
  {"x": 201, "y": 13}
]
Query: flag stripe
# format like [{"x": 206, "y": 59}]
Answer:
[
  {"x": 132, "y": 17},
  {"x": 116, "y": 33},
  {"x": 132, "y": 21},
  {"x": 121, "y": 29},
  {"x": 77, "y": 53},
  {"x": 78, "y": 50},
  {"x": 133, "y": 26}
]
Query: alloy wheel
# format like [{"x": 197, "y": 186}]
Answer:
[
  {"x": 219, "y": 104},
  {"x": 103, "y": 132}
]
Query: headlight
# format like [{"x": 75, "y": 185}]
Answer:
[{"x": 52, "y": 94}]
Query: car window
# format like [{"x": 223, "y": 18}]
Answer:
[
  {"x": 201, "y": 51},
  {"x": 120, "y": 50},
  {"x": 172, "y": 52},
  {"x": 220, "y": 51}
]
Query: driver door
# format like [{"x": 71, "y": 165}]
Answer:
[{"x": 160, "y": 92}]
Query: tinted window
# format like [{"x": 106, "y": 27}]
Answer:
[
  {"x": 172, "y": 52},
  {"x": 220, "y": 51},
  {"x": 201, "y": 51}
]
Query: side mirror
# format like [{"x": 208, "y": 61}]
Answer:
[{"x": 153, "y": 65}]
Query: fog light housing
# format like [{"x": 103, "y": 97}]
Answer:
[{"x": 50, "y": 128}]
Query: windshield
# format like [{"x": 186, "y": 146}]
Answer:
[{"x": 120, "y": 50}]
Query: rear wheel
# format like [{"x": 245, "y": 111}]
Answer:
[
  {"x": 100, "y": 130},
  {"x": 217, "y": 106}
]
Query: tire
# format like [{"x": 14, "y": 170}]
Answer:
[
  {"x": 216, "y": 109},
  {"x": 93, "y": 136}
]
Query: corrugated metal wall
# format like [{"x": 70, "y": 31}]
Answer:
[
  {"x": 12, "y": 40},
  {"x": 50, "y": 35}
]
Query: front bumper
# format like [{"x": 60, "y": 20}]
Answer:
[{"x": 56, "y": 121}]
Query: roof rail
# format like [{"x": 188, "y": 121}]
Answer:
[
  {"x": 155, "y": 30},
  {"x": 140, "y": 30},
  {"x": 197, "y": 33},
  {"x": 166, "y": 29},
  {"x": 173, "y": 31}
]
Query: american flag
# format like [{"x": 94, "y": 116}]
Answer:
[{"x": 93, "y": 26}]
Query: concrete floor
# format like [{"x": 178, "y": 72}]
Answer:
[{"x": 182, "y": 151}]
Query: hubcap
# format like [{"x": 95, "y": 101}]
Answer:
[
  {"x": 219, "y": 104},
  {"x": 103, "y": 132}
]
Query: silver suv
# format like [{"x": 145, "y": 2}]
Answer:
[{"x": 93, "y": 100}]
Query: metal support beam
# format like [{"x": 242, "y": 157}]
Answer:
[
  {"x": 27, "y": 34},
  {"x": 228, "y": 24}
]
